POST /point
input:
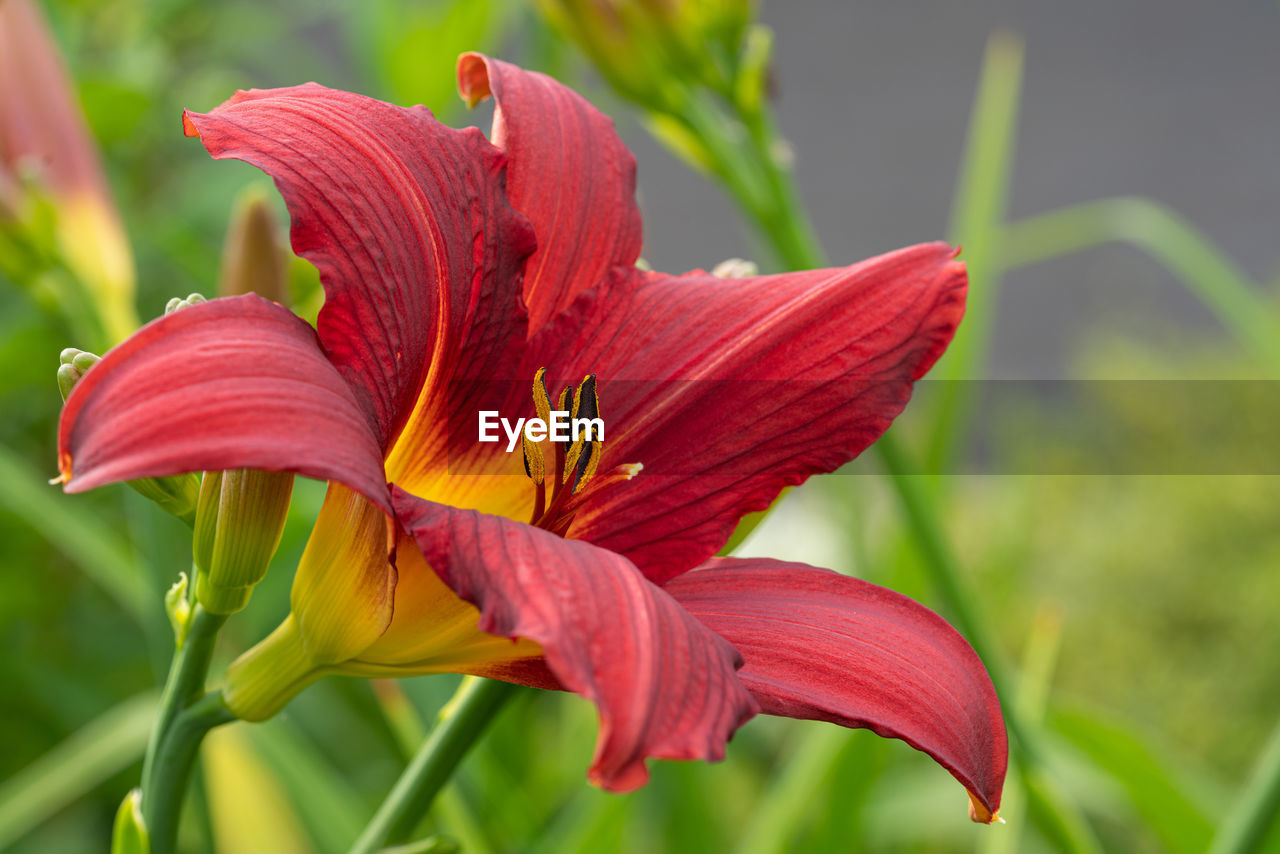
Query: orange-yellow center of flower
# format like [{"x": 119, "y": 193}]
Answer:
[{"x": 573, "y": 461}]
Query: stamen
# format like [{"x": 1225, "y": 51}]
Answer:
[
  {"x": 576, "y": 460},
  {"x": 534, "y": 466},
  {"x": 585, "y": 405},
  {"x": 541, "y": 400}
]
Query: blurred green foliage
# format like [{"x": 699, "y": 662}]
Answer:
[{"x": 1155, "y": 698}]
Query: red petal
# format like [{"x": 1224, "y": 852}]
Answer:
[
  {"x": 232, "y": 383},
  {"x": 569, "y": 173},
  {"x": 727, "y": 390},
  {"x": 664, "y": 684},
  {"x": 406, "y": 220},
  {"x": 823, "y": 646}
]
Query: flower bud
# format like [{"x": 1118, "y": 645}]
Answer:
[
  {"x": 72, "y": 365},
  {"x": 178, "y": 302},
  {"x": 254, "y": 260},
  {"x": 175, "y": 494},
  {"x": 646, "y": 47},
  {"x": 178, "y": 607},
  {"x": 735, "y": 268},
  {"x": 129, "y": 834},
  {"x": 240, "y": 516},
  {"x": 48, "y": 158}
]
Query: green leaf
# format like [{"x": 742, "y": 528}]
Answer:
[
  {"x": 977, "y": 217},
  {"x": 86, "y": 540},
  {"x": 328, "y": 807},
  {"x": 83, "y": 761},
  {"x": 1207, "y": 273},
  {"x": 1251, "y": 824},
  {"x": 1180, "y": 818}
]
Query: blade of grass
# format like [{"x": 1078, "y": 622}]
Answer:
[
  {"x": 326, "y": 804},
  {"x": 1039, "y": 661},
  {"x": 1052, "y": 809},
  {"x": 787, "y": 803},
  {"x": 87, "y": 541},
  {"x": 1219, "y": 284},
  {"x": 1173, "y": 814},
  {"x": 1244, "y": 830},
  {"x": 91, "y": 755},
  {"x": 248, "y": 805},
  {"x": 977, "y": 215}
]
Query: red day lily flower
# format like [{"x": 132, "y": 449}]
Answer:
[{"x": 455, "y": 271}]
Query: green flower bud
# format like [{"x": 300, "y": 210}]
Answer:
[
  {"x": 129, "y": 835},
  {"x": 72, "y": 365},
  {"x": 178, "y": 302},
  {"x": 240, "y": 516},
  {"x": 178, "y": 607},
  {"x": 176, "y": 494}
]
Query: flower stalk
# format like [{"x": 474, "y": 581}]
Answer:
[
  {"x": 186, "y": 714},
  {"x": 461, "y": 723}
]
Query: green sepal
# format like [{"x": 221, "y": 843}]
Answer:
[
  {"x": 176, "y": 494},
  {"x": 129, "y": 834}
]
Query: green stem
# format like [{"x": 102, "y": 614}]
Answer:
[
  {"x": 162, "y": 802},
  {"x": 1244, "y": 830},
  {"x": 181, "y": 723},
  {"x": 785, "y": 218},
  {"x": 460, "y": 724},
  {"x": 799, "y": 248}
]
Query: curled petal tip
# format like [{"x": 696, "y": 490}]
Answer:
[
  {"x": 473, "y": 79},
  {"x": 64, "y": 470},
  {"x": 188, "y": 126},
  {"x": 980, "y": 814}
]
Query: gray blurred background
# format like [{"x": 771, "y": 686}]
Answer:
[{"x": 1178, "y": 101}]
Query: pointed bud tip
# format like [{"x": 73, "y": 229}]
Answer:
[
  {"x": 178, "y": 607},
  {"x": 129, "y": 832}
]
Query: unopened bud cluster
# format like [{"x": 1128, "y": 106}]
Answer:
[{"x": 175, "y": 494}]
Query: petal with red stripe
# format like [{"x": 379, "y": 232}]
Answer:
[
  {"x": 406, "y": 220},
  {"x": 231, "y": 383},
  {"x": 665, "y": 686},
  {"x": 823, "y": 646},
  {"x": 569, "y": 173},
  {"x": 728, "y": 390}
]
